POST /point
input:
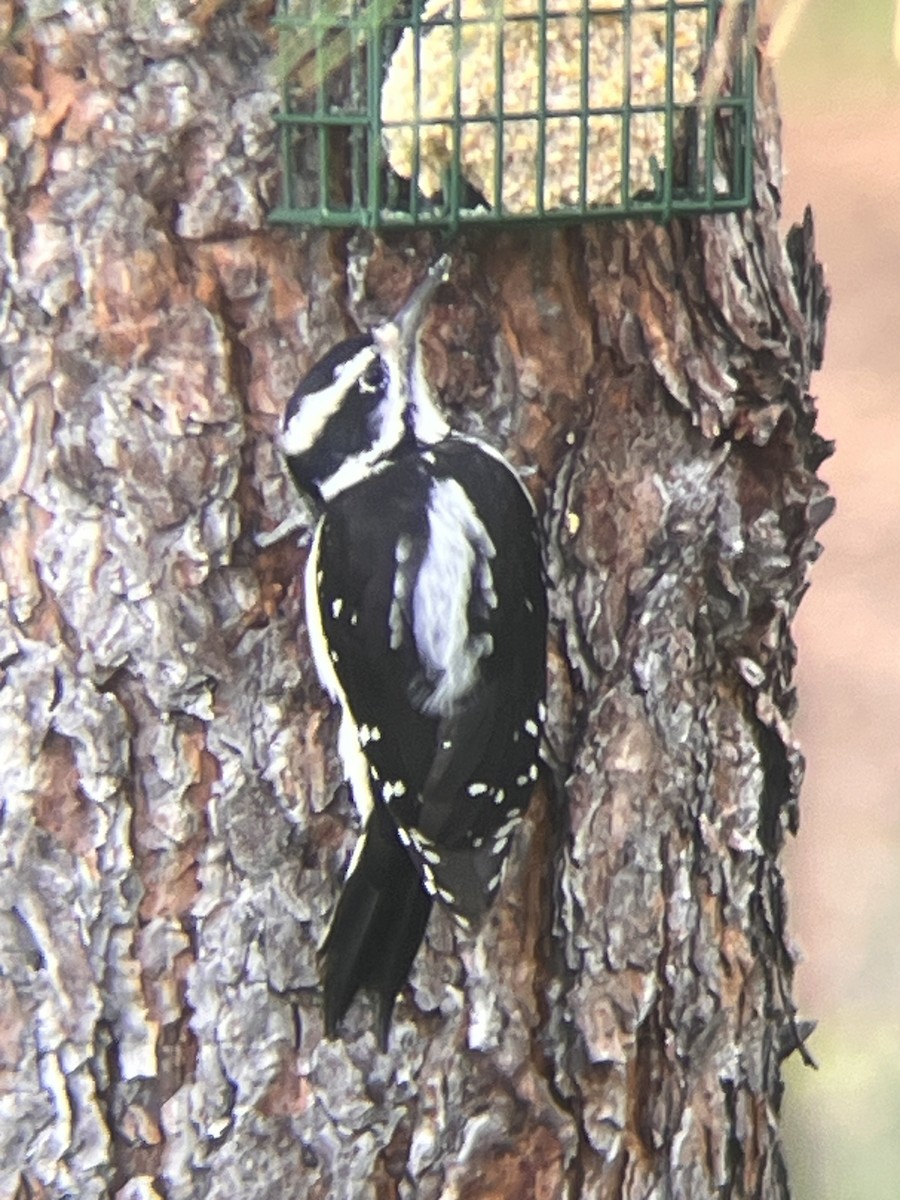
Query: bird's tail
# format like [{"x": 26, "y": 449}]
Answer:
[{"x": 377, "y": 927}]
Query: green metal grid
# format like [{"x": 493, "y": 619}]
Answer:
[{"x": 334, "y": 57}]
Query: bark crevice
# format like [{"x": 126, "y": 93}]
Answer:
[{"x": 173, "y": 833}]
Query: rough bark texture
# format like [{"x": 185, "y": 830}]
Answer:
[{"x": 172, "y": 834}]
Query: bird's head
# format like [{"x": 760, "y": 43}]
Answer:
[{"x": 360, "y": 402}]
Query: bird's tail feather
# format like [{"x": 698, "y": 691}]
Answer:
[{"x": 377, "y": 927}]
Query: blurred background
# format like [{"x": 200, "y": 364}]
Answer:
[{"x": 839, "y": 81}]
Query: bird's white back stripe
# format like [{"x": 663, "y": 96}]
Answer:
[
  {"x": 400, "y": 591},
  {"x": 456, "y": 560}
]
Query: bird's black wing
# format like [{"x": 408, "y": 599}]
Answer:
[
  {"x": 431, "y": 600},
  {"x": 433, "y": 605}
]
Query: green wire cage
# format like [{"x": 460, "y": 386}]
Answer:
[{"x": 451, "y": 112}]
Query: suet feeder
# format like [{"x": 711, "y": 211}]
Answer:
[{"x": 457, "y": 112}]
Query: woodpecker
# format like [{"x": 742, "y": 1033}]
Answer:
[{"x": 427, "y": 615}]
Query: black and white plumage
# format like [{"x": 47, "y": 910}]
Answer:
[{"x": 427, "y": 615}]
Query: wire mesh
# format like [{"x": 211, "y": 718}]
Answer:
[{"x": 451, "y": 112}]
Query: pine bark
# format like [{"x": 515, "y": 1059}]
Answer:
[{"x": 173, "y": 833}]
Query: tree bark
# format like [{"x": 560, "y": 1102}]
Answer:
[{"x": 172, "y": 832}]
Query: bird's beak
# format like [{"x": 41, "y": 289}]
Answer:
[{"x": 408, "y": 321}]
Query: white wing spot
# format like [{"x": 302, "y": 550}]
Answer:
[
  {"x": 477, "y": 843},
  {"x": 354, "y": 618},
  {"x": 446, "y": 744},
  {"x": 506, "y": 829},
  {"x": 495, "y": 882},
  {"x": 528, "y": 605},
  {"x": 500, "y": 796},
  {"x": 531, "y": 728},
  {"x": 521, "y": 780},
  {"x": 500, "y": 843},
  {"x": 402, "y": 835},
  {"x": 542, "y": 711},
  {"x": 533, "y": 772},
  {"x": 368, "y": 734},
  {"x": 446, "y": 896},
  {"x": 390, "y": 790},
  {"x": 431, "y": 856},
  {"x": 334, "y": 656},
  {"x": 477, "y": 789},
  {"x": 336, "y": 605}
]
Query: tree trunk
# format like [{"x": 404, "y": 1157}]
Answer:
[{"x": 173, "y": 834}]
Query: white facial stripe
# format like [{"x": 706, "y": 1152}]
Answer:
[
  {"x": 354, "y": 469},
  {"x": 388, "y": 420},
  {"x": 457, "y": 559},
  {"x": 315, "y": 410}
]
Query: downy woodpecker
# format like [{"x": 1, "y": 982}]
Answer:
[{"x": 427, "y": 617}]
